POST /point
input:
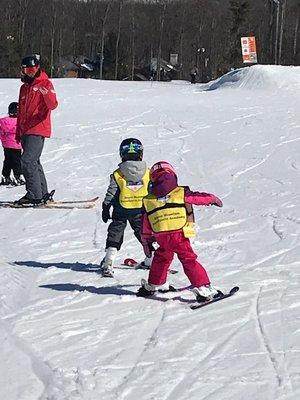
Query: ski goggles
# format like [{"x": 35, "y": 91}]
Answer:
[
  {"x": 29, "y": 70},
  {"x": 131, "y": 148}
]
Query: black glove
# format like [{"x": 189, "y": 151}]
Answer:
[{"x": 105, "y": 212}]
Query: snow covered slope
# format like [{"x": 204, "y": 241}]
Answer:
[
  {"x": 66, "y": 333},
  {"x": 266, "y": 77}
]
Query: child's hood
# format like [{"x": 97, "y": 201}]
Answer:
[{"x": 133, "y": 170}]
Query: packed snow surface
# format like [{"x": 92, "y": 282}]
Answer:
[{"x": 68, "y": 334}]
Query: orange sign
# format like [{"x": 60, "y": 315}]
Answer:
[{"x": 249, "y": 49}]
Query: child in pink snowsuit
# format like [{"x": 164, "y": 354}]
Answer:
[
  {"x": 168, "y": 220},
  {"x": 12, "y": 149}
]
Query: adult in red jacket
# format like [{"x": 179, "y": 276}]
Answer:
[{"x": 36, "y": 101}]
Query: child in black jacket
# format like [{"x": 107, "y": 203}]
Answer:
[{"x": 128, "y": 185}]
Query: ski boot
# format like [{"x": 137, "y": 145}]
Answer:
[
  {"x": 106, "y": 270},
  {"x": 107, "y": 264},
  {"x": 206, "y": 293},
  {"x": 6, "y": 181},
  {"x": 148, "y": 289},
  {"x": 19, "y": 181},
  {"x": 27, "y": 201}
]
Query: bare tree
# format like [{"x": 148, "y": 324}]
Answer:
[
  {"x": 181, "y": 37},
  {"x": 23, "y": 6},
  {"x": 240, "y": 10},
  {"x": 132, "y": 39},
  {"x": 277, "y": 8},
  {"x": 103, "y": 25},
  {"x": 53, "y": 29},
  {"x": 61, "y": 27},
  {"x": 120, "y": 5},
  {"x": 163, "y": 4},
  {"x": 282, "y": 23},
  {"x": 296, "y": 33}
]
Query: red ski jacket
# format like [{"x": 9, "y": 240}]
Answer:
[{"x": 36, "y": 100}]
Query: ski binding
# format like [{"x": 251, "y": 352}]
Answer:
[{"x": 221, "y": 297}]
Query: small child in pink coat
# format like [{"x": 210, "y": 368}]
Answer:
[
  {"x": 167, "y": 225},
  {"x": 12, "y": 149}
]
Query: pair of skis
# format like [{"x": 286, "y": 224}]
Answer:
[
  {"x": 196, "y": 304},
  {"x": 130, "y": 262},
  {"x": 54, "y": 204}
]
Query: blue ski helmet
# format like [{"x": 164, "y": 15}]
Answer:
[{"x": 131, "y": 149}]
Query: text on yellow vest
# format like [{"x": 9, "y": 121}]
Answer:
[
  {"x": 132, "y": 193},
  {"x": 170, "y": 213}
]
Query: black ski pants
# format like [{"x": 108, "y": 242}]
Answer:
[
  {"x": 115, "y": 233},
  {"x": 36, "y": 184},
  {"x": 12, "y": 162}
]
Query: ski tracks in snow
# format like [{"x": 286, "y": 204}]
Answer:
[
  {"x": 278, "y": 359},
  {"x": 201, "y": 365},
  {"x": 124, "y": 389}
]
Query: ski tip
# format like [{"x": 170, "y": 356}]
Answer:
[
  {"x": 93, "y": 200},
  {"x": 130, "y": 262},
  {"x": 225, "y": 296},
  {"x": 234, "y": 290}
]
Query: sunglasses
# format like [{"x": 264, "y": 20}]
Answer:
[{"x": 29, "y": 70}]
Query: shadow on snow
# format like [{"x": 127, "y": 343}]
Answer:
[
  {"x": 77, "y": 266},
  {"x": 117, "y": 290},
  {"x": 70, "y": 287}
]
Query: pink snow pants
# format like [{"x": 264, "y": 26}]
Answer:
[{"x": 175, "y": 243}]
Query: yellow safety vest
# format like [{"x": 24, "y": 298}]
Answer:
[
  {"x": 170, "y": 213},
  {"x": 132, "y": 193}
]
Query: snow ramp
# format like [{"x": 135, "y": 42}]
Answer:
[{"x": 265, "y": 77}]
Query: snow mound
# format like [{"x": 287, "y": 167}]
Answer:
[{"x": 259, "y": 77}]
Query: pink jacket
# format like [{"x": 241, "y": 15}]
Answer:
[
  {"x": 8, "y": 126},
  {"x": 190, "y": 197}
]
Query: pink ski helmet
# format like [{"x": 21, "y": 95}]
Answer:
[{"x": 160, "y": 168}]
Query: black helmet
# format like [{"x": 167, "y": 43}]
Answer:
[
  {"x": 31, "y": 61},
  {"x": 131, "y": 149},
  {"x": 13, "y": 109}
]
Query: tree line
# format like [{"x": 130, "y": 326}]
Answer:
[{"x": 122, "y": 36}]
